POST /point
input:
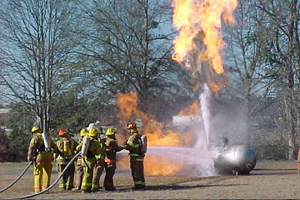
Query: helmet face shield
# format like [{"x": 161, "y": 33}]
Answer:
[
  {"x": 132, "y": 131},
  {"x": 132, "y": 128}
]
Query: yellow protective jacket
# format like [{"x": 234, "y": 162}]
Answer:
[
  {"x": 65, "y": 156},
  {"x": 94, "y": 148},
  {"x": 133, "y": 146},
  {"x": 37, "y": 149},
  {"x": 111, "y": 147},
  {"x": 102, "y": 151}
]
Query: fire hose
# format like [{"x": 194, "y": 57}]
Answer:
[
  {"x": 53, "y": 184},
  {"x": 23, "y": 172}
]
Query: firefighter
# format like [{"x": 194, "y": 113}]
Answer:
[
  {"x": 136, "y": 157},
  {"x": 67, "y": 147},
  {"x": 79, "y": 170},
  {"x": 99, "y": 167},
  {"x": 111, "y": 147},
  {"x": 88, "y": 160},
  {"x": 42, "y": 159}
]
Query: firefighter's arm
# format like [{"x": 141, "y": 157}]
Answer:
[
  {"x": 32, "y": 149},
  {"x": 100, "y": 156},
  {"x": 75, "y": 151},
  {"x": 98, "y": 149},
  {"x": 75, "y": 145},
  {"x": 31, "y": 154},
  {"x": 59, "y": 148},
  {"x": 54, "y": 147},
  {"x": 78, "y": 147},
  {"x": 132, "y": 146},
  {"x": 115, "y": 147}
]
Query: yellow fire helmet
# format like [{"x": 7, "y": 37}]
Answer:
[
  {"x": 36, "y": 129},
  {"x": 110, "y": 131},
  {"x": 83, "y": 132},
  {"x": 93, "y": 132}
]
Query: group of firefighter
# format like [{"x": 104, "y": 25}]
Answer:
[{"x": 97, "y": 152}]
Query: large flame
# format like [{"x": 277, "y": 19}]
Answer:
[{"x": 199, "y": 23}]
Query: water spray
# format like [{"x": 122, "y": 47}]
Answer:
[{"x": 204, "y": 105}]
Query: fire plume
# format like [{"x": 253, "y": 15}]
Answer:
[{"x": 199, "y": 23}]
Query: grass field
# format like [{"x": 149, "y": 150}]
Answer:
[{"x": 269, "y": 180}]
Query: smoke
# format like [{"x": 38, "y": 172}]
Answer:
[{"x": 228, "y": 120}]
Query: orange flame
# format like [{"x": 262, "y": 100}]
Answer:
[
  {"x": 157, "y": 135},
  {"x": 193, "y": 109},
  {"x": 157, "y": 165},
  {"x": 199, "y": 24}
]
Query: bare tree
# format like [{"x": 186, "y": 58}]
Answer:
[
  {"x": 283, "y": 17},
  {"x": 265, "y": 58},
  {"x": 128, "y": 46},
  {"x": 35, "y": 52},
  {"x": 245, "y": 60}
]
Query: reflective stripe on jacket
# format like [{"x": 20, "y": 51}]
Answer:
[
  {"x": 62, "y": 159},
  {"x": 37, "y": 148},
  {"x": 133, "y": 145}
]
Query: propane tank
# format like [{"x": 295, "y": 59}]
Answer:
[
  {"x": 67, "y": 150},
  {"x": 85, "y": 145},
  {"x": 236, "y": 159},
  {"x": 46, "y": 142}
]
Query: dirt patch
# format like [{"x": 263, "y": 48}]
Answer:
[{"x": 269, "y": 180}]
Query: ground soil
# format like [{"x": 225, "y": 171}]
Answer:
[{"x": 269, "y": 180}]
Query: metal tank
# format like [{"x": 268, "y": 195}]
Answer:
[{"x": 235, "y": 159}]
